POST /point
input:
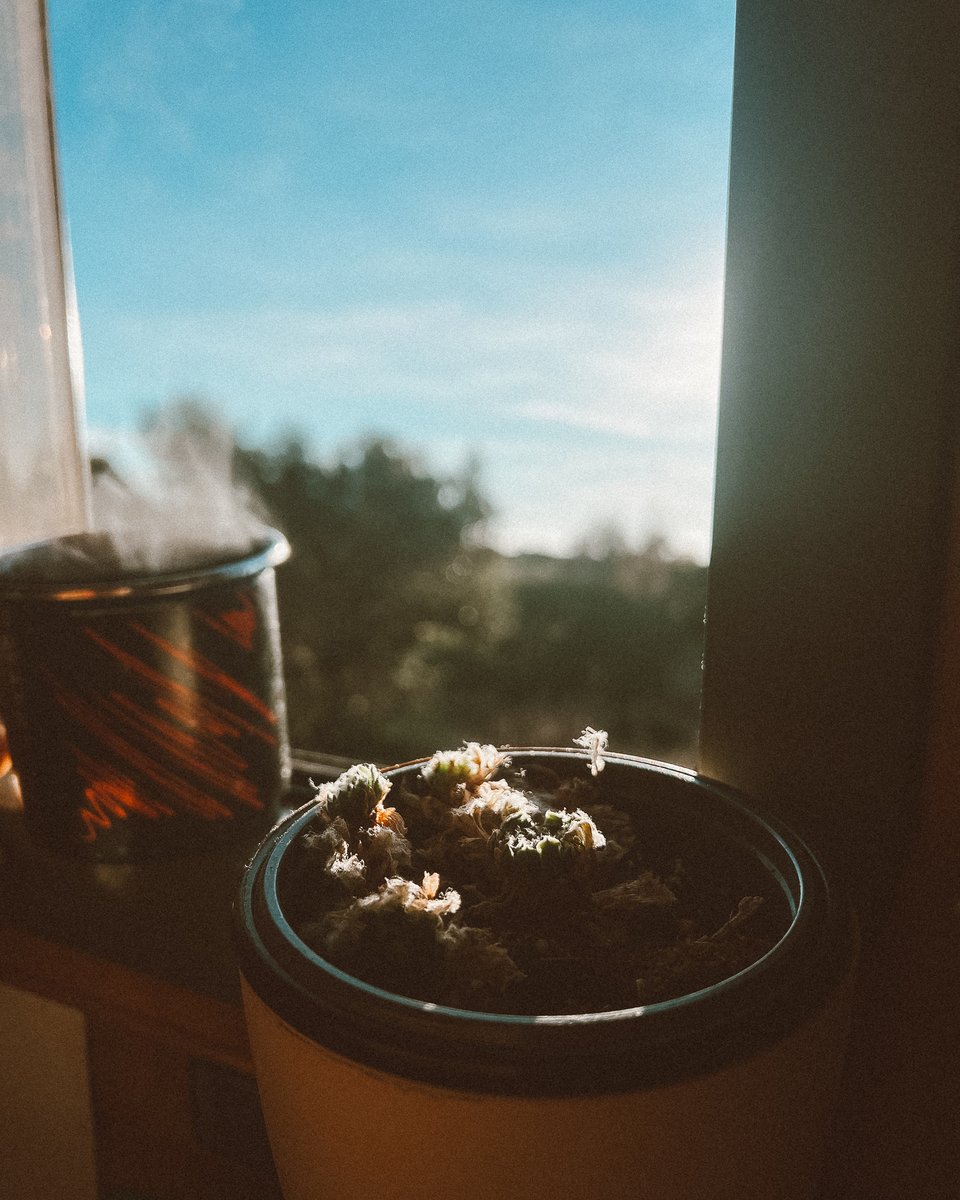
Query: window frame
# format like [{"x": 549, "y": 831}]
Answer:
[{"x": 837, "y": 432}]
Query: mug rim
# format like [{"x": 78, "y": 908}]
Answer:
[{"x": 269, "y": 549}]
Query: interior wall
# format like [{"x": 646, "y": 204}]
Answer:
[
  {"x": 837, "y": 425},
  {"x": 899, "y": 1137},
  {"x": 46, "y": 1123},
  {"x": 832, "y": 657}
]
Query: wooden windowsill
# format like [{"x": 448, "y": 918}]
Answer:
[
  {"x": 145, "y": 946},
  {"x": 131, "y": 1000}
]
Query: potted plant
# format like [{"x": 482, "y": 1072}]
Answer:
[{"x": 541, "y": 973}]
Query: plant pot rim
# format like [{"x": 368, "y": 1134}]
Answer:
[{"x": 647, "y": 1044}]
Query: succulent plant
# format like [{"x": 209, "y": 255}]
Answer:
[
  {"x": 478, "y": 890},
  {"x": 450, "y": 773}
]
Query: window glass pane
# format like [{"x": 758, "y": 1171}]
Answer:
[{"x": 487, "y": 236}]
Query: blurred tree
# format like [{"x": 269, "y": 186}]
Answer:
[
  {"x": 615, "y": 644},
  {"x": 380, "y": 557}
]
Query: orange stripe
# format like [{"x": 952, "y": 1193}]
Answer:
[
  {"x": 239, "y": 624},
  {"x": 196, "y": 754},
  {"x": 110, "y": 796},
  {"x": 184, "y": 747},
  {"x": 209, "y": 670},
  {"x": 218, "y": 719},
  {"x": 126, "y": 659},
  {"x": 166, "y": 732},
  {"x": 206, "y": 806},
  {"x": 130, "y": 661}
]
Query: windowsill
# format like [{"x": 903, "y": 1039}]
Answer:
[{"x": 146, "y": 945}]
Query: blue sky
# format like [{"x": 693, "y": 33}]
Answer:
[{"x": 489, "y": 229}]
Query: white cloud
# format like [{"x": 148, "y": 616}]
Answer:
[
  {"x": 655, "y": 370},
  {"x": 635, "y": 364},
  {"x": 600, "y": 406}
]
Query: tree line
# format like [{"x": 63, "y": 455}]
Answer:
[{"x": 403, "y": 632}]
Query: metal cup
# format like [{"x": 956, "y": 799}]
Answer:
[{"x": 146, "y": 713}]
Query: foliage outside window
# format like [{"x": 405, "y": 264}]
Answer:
[{"x": 403, "y": 631}]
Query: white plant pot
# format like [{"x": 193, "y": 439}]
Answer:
[{"x": 725, "y": 1093}]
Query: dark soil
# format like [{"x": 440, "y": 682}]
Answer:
[{"x": 533, "y": 913}]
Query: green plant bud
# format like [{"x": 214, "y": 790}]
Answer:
[
  {"x": 355, "y": 795},
  {"x": 552, "y": 821},
  {"x": 550, "y": 848},
  {"x": 450, "y": 772}
]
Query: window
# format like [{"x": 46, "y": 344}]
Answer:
[{"x": 492, "y": 239}]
